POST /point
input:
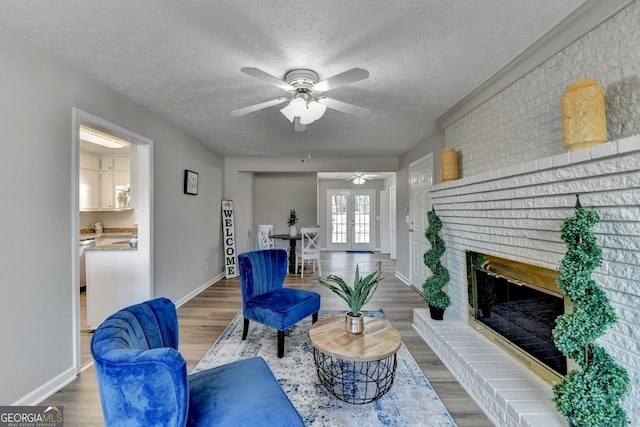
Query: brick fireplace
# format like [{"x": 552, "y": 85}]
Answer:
[{"x": 516, "y": 213}]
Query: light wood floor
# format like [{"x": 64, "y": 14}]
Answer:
[{"x": 203, "y": 319}]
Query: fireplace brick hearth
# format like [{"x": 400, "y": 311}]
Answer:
[
  {"x": 516, "y": 213},
  {"x": 510, "y": 394}
]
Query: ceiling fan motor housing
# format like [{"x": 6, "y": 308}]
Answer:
[{"x": 301, "y": 78}]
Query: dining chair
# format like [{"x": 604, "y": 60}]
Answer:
[
  {"x": 264, "y": 298},
  {"x": 265, "y": 241},
  {"x": 309, "y": 249}
]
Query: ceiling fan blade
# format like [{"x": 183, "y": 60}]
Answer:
[
  {"x": 344, "y": 107},
  {"x": 256, "y": 107},
  {"x": 344, "y": 78},
  {"x": 266, "y": 77}
]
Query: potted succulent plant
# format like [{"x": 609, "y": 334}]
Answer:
[
  {"x": 292, "y": 221},
  {"x": 355, "y": 296},
  {"x": 437, "y": 299},
  {"x": 589, "y": 396}
]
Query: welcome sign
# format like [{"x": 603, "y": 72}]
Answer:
[{"x": 230, "y": 258}]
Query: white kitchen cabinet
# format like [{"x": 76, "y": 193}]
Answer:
[
  {"x": 89, "y": 181},
  {"x": 88, "y": 192},
  {"x": 121, "y": 163},
  {"x": 115, "y": 279},
  {"x": 106, "y": 163},
  {"x": 89, "y": 161},
  {"x": 100, "y": 180},
  {"x": 108, "y": 190}
]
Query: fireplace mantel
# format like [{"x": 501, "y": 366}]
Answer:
[{"x": 516, "y": 213}]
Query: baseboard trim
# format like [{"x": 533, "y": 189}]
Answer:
[
  {"x": 55, "y": 384},
  {"x": 47, "y": 389},
  {"x": 402, "y": 278},
  {"x": 198, "y": 290}
]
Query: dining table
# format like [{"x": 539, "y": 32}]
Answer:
[{"x": 292, "y": 248}]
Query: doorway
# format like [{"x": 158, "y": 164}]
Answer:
[
  {"x": 420, "y": 180},
  {"x": 351, "y": 220},
  {"x": 141, "y": 198}
]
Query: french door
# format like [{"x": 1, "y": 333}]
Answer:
[{"x": 351, "y": 220}]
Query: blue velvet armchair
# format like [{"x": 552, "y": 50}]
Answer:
[
  {"x": 265, "y": 300},
  {"x": 143, "y": 379}
]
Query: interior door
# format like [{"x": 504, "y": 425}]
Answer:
[
  {"x": 420, "y": 179},
  {"x": 351, "y": 220}
]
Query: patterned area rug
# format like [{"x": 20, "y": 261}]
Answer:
[{"x": 410, "y": 402}]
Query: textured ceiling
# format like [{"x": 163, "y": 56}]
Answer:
[{"x": 182, "y": 60}]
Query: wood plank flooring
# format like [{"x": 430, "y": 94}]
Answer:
[{"x": 203, "y": 319}]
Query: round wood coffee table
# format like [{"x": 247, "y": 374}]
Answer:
[{"x": 355, "y": 368}]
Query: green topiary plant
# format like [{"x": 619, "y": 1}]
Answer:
[
  {"x": 590, "y": 396},
  {"x": 432, "y": 287}
]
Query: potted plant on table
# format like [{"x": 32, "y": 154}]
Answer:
[
  {"x": 437, "y": 299},
  {"x": 589, "y": 396},
  {"x": 355, "y": 296},
  {"x": 292, "y": 221}
]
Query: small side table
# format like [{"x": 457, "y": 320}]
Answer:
[
  {"x": 355, "y": 368},
  {"x": 292, "y": 249}
]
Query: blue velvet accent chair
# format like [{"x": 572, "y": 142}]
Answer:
[
  {"x": 143, "y": 381},
  {"x": 265, "y": 300}
]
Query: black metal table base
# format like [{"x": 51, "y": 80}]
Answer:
[{"x": 355, "y": 382}]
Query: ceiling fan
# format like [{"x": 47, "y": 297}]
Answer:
[
  {"x": 305, "y": 104},
  {"x": 359, "y": 178}
]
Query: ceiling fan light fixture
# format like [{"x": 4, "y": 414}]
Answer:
[
  {"x": 296, "y": 108},
  {"x": 307, "y": 111},
  {"x": 315, "y": 109},
  {"x": 358, "y": 180}
]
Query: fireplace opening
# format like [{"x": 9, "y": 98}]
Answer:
[{"x": 517, "y": 306}]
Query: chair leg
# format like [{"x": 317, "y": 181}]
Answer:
[
  {"x": 280, "y": 344},
  {"x": 246, "y": 329},
  {"x": 314, "y": 317}
]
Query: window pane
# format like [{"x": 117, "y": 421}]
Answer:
[
  {"x": 339, "y": 218},
  {"x": 362, "y": 216}
]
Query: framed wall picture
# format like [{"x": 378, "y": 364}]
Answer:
[{"x": 190, "y": 182}]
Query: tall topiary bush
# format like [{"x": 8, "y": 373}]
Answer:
[
  {"x": 590, "y": 396},
  {"x": 432, "y": 287}
]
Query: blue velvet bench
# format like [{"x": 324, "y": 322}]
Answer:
[{"x": 143, "y": 379}]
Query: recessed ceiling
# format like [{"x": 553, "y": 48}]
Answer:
[{"x": 182, "y": 60}]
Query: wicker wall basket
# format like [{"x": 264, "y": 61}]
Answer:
[
  {"x": 584, "y": 123},
  {"x": 448, "y": 165}
]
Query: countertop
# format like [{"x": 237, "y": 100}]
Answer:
[{"x": 108, "y": 241}]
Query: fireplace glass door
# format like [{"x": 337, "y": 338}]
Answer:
[{"x": 522, "y": 314}]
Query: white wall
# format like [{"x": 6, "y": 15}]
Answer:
[
  {"x": 522, "y": 122},
  {"x": 39, "y": 92},
  {"x": 276, "y": 193},
  {"x": 520, "y": 182},
  {"x": 238, "y": 181}
]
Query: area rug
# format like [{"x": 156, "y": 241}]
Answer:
[
  {"x": 359, "y": 252},
  {"x": 410, "y": 402}
]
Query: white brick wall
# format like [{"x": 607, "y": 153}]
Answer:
[
  {"x": 517, "y": 212},
  {"x": 519, "y": 183},
  {"x": 522, "y": 122}
]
